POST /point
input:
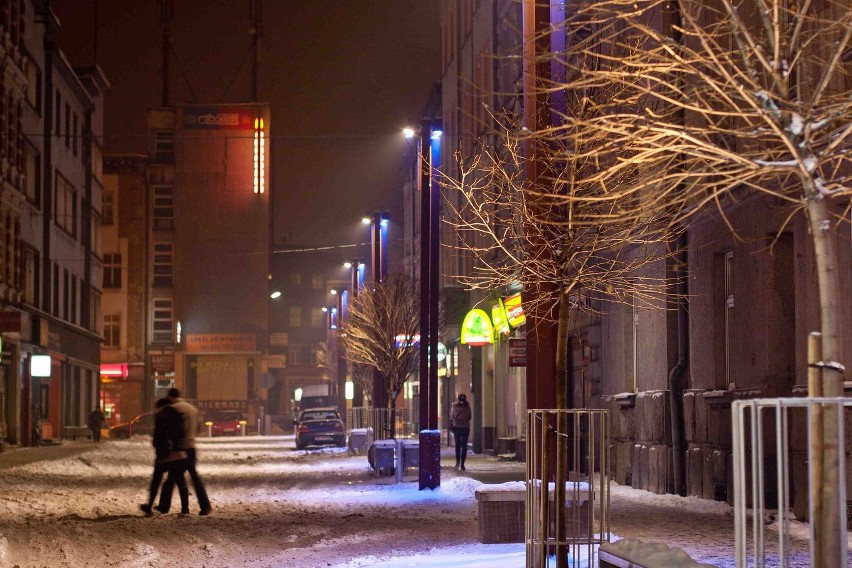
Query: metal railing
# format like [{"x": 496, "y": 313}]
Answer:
[
  {"x": 755, "y": 423},
  {"x": 384, "y": 423},
  {"x": 567, "y": 486}
]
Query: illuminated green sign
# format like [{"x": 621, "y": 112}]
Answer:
[{"x": 477, "y": 329}]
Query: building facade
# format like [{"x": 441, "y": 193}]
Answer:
[{"x": 51, "y": 125}]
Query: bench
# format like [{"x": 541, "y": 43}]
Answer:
[{"x": 631, "y": 553}]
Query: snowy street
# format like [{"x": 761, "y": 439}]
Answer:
[{"x": 76, "y": 505}]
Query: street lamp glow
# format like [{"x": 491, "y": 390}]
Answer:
[
  {"x": 366, "y": 220},
  {"x": 347, "y": 265},
  {"x": 333, "y": 291},
  {"x": 324, "y": 309},
  {"x": 436, "y": 134},
  {"x": 297, "y": 395},
  {"x": 275, "y": 294},
  {"x": 349, "y": 390},
  {"x": 408, "y": 132}
]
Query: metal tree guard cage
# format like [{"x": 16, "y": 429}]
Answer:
[
  {"x": 762, "y": 432},
  {"x": 567, "y": 485}
]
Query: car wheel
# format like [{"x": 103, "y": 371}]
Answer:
[
  {"x": 341, "y": 443},
  {"x": 301, "y": 446}
]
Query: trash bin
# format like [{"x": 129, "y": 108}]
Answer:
[
  {"x": 360, "y": 439},
  {"x": 383, "y": 456}
]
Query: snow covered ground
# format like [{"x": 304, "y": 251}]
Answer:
[{"x": 275, "y": 506}]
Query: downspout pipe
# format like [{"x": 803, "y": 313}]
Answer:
[{"x": 677, "y": 373}]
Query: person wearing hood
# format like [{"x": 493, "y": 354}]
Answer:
[{"x": 460, "y": 417}]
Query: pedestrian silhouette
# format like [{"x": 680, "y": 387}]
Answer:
[
  {"x": 96, "y": 422},
  {"x": 460, "y": 417},
  {"x": 170, "y": 457}
]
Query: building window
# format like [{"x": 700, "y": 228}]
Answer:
[
  {"x": 164, "y": 208},
  {"x": 34, "y": 86},
  {"x": 74, "y": 133},
  {"x": 55, "y": 309},
  {"x": 295, "y": 317},
  {"x": 164, "y": 265},
  {"x": 66, "y": 206},
  {"x": 32, "y": 171},
  {"x": 729, "y": 315},
  {"x": 295, "y": 279},
  {"x": 164, "y": 146},
  {"x": 163, "y": 324},
  {"x": 67, "y": 125},
  {"x": 57, "y": 120},
  {"x": 317, "y": 282},
  {"x": 73, "y": 299},
  {"x": 294, "y": 355},
  {"x": 112, "y": 330},
  {"x": 95, "y": 310},
  {"x": 31, "y": 276},
  {"x": 107, "y": 205},
  {"x": 66, "y": 289},
  {"x": 112, "y": 270},
  {"x": 317, "y": 317}
]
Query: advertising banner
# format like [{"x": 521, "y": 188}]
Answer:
[
  {"x": 220, "y": 342},
  {"x": 219, "y": 117}
]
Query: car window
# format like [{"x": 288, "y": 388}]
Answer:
[{"x": 319, "y": 416}]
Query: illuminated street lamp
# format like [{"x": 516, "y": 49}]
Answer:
[{"x": 429, "y": 152}]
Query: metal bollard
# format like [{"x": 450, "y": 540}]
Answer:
[
  {"x": 242, "y": 427},
  {"x": 209, "y": 429}
]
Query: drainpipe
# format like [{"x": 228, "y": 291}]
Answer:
[{"x": 678, "y": 372}]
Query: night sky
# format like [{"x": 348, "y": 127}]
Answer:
[{"x": 343, "y": 78}]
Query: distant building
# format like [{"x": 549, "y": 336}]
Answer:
[
  {"x": 208, "y": 248},
  {"x": 51, "y": 125}
]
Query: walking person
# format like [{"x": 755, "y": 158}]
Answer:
[
  {"x": 96, "y": 422},
  {"x": 189, "y": 414},
  {"x": 168, "y": 425},
  {"x": 460, "y": 417}
]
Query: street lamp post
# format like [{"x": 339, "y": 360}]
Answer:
[
  {"x": 379, "y": 222},
  {"x": 430, "y": 200}
]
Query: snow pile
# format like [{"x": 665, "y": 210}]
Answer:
[{"x": 651, "y": 554}]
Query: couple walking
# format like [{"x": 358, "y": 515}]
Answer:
[{"x": 175, "y": 424}]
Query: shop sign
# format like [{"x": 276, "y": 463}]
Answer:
[
  {"x": 114, "y": 370},
  {"x": 223, "y": 342},
  {"x": 222, "y": 405},
  {"x": 500, "y": 319},
  {"x": 276, "y": 361},
  {"x": 515, "y": 311},
  {"x": 219, "y": 117},
  {"x": 517, "y": 352},
  {"x": 477, "y": 329},
  {"x": 163, "y": 363}
]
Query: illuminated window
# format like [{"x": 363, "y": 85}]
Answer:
[
  {"x": 259, "y": 156},
  {"x": 317, "y": 317},
  {"x": 112, "y": 270},
  {"x": 112, "y": 330},
  {"x": 163, "y": 324},
  {"x": 295, "y": 317},
  {"x": 164, "y": 265}
]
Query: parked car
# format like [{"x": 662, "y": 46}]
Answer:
[
  {"x": 225, "y": 422},
  {"x": 141, "y": 425},
  {"x": 317, "y": 426}
]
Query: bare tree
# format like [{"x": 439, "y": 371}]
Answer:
[
  {"x": 720, "y": 101},
  {"x": 381, "y": 331}
]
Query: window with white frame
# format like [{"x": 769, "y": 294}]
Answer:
[
  {"x": 112, "y": 270},
  {"x": 164, "y": 265},
  {"x": 112, "y": 330},
  {"x": 164, "y": 207},
  {"x": 163, "y": 321}
]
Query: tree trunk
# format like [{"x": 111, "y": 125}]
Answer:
[
  {"x": 827, "y": 524},
  {"x": 563, "y": 438}
]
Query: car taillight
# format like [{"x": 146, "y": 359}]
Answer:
[
  {"x": 303, "y": 429},
  {"x": 338, "y": 427}
]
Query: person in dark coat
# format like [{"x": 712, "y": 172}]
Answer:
[
  {"x": 189, "y": 414},
  {"x": 460, "y": 417},
  {"x": 171, "y": 458},
  {"x": 96, "y": 422}
]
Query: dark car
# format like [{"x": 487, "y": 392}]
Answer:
[
  {"x": 317, "y": 426},
  {"x": 225, "y": 422},
  {"x": 142, "y": 424}
]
